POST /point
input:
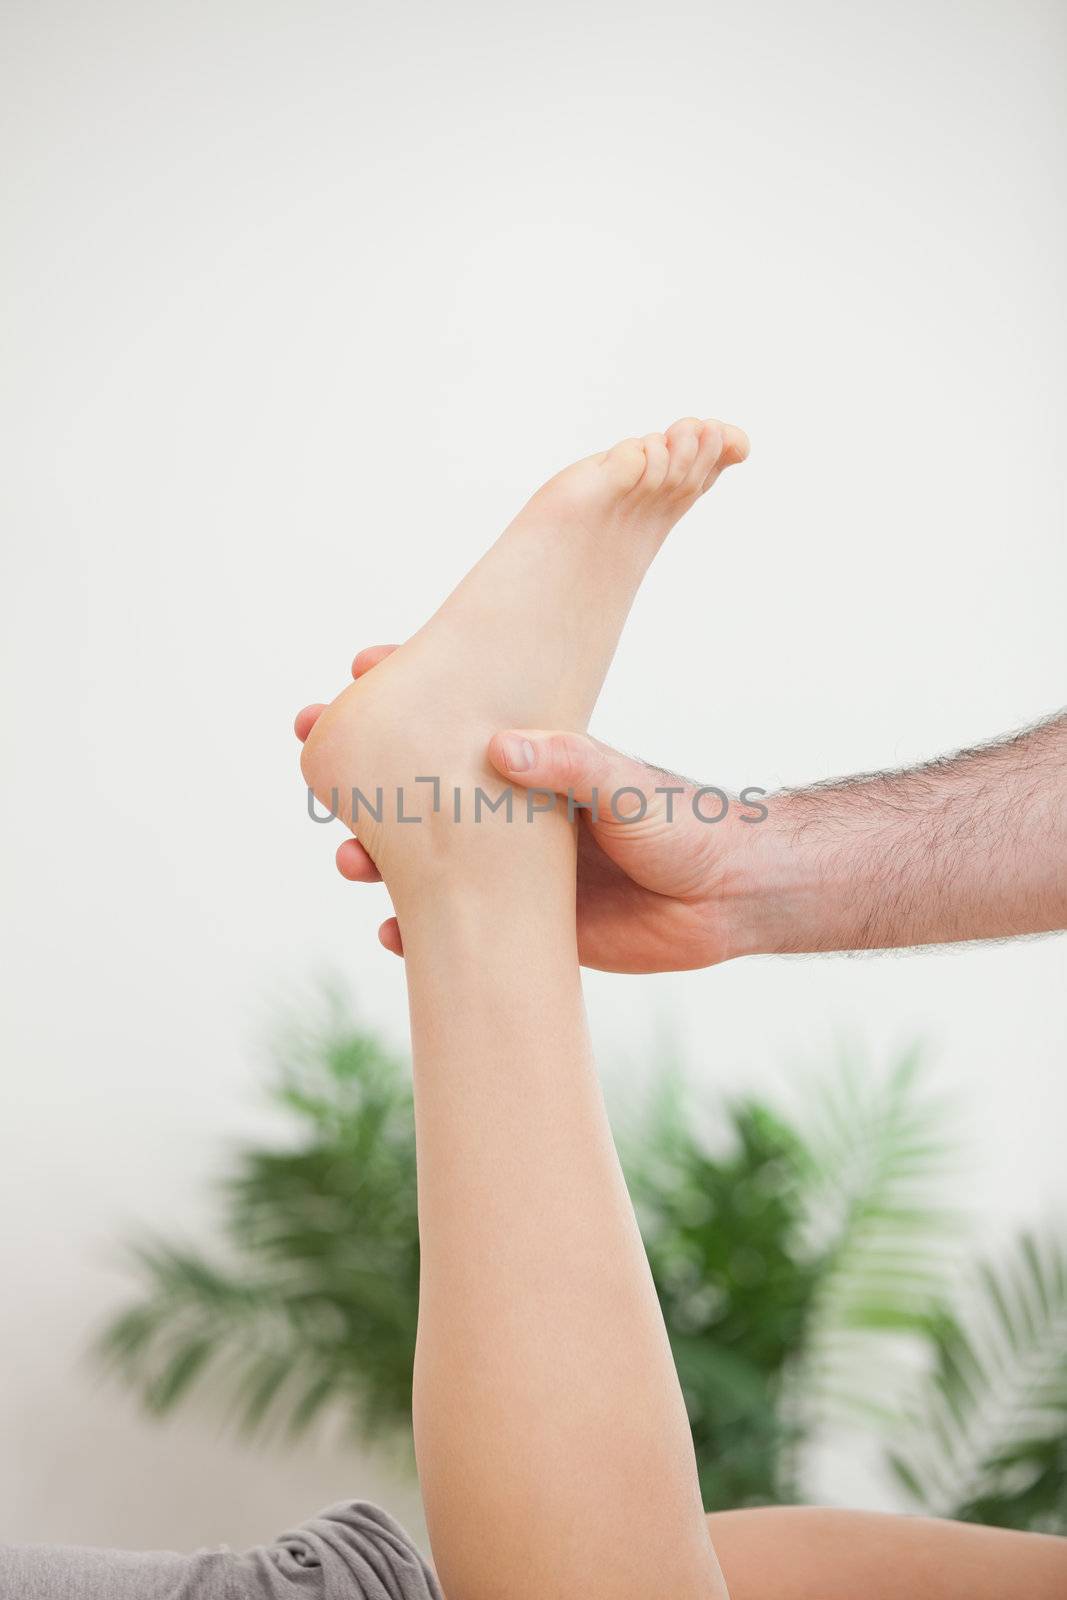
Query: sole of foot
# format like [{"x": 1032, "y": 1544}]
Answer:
[{"x": 523, "y": 641}]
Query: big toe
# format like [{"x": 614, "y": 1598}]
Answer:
[
  {"x": 735, "y": 445},
  {"x": 732, "y": 448}
]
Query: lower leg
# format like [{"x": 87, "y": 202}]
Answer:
[{"x": 553, "y": 1446}]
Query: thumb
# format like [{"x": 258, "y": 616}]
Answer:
[
  {"x": 562, "y": 762},
  {"x": 568, "y": 764},
  {"x": 642, "y": 817}
]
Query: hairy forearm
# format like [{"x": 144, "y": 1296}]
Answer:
[
  {"x": 554, "y": 1451},
  {"x": 971, "y": 846}
]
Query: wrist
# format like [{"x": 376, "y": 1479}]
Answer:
[{"x": 773, "y": 896}]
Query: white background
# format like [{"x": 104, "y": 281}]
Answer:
[{"x": 300, "y": 302}]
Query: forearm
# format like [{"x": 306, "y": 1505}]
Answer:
[
  {"x": 553, "y": 1446},
  {"x": 973, "y": 846},
  {"x": 791, "y": 1553}
]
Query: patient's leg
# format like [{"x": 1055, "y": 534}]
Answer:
[
  {"x": 553, "y": 1446},
  {"x": 802, "y": 1553},
  {"x": 554, "y": 1450}
]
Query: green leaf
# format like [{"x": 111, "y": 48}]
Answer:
[
  {"x": 793, "y": 1257},
  {"x": 876, "y": 1224},
  {"x": 988, "y": 1437}
]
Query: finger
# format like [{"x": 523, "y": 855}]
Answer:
[
  {"x": 366, "y": 659},
  {"x": 389, "y": 936},
  {"x": 306, "y": 720},
  {"x": 355, "y": 864}
]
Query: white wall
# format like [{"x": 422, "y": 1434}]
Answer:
[{"x": 300, "y": 301}]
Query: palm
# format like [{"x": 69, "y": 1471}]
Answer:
[{"x": 628, "y": 926}]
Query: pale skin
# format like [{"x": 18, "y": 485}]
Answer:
[
  {"x": 554, "y": 1451},
  {"x": 553, "y": 1447},
  {"x": 971, "y": 846}
]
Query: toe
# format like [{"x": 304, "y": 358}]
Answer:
[
  {"x": 682, "y": 444},
  {"x": 657, "y": 461},
  {"x": 370, "y": 657},
  {"x": 625, "y": 464},
  {"x": 733, "y": 449},
  {"x": 710, "y": 444},
  {"x": 306, "y": 720},
  {"x": 355, "y": 864}
]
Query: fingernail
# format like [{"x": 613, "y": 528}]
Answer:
[{"x": 518, "y": 753}]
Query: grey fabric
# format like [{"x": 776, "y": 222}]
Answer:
[{"x": 354, "y": 1551}]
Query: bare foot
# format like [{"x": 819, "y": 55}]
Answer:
[{"x": 525, "y": 640}]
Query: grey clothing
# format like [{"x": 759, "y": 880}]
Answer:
[{"x": 353, "y": 1551}]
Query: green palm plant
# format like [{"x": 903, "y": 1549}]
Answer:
[
  {"x": 312, "y": 1299},
  {"x": 806, "y": 1256},
  {"x": 878, "y": 1164},
  {"x": 794, "y": 1257},
  {"x": 986, "y": 1431}
]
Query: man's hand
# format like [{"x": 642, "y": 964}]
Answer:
[
  {"x": 674, "y": 875},
  {"x": 965, "y": 847},
  {"x": 664, "y": 865}
]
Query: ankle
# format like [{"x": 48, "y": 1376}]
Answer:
[{"x": 495, "y": 899}]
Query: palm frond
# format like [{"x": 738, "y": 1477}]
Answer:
[
  {"x": 795, "y": 1259},
  {"x": 985, "y": 1437},
  {"x": 312, "y": 1299},
  {"x": 721, "y": 1230},
  {"x": 876, "y": 1220}
]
